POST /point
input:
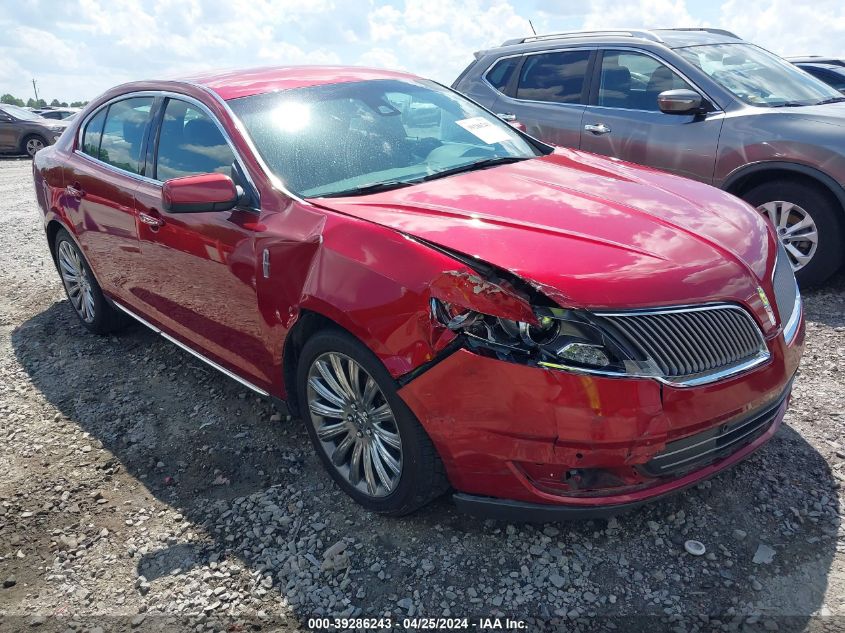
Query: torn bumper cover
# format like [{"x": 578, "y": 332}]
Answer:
[{"x": 534, "y": 443}]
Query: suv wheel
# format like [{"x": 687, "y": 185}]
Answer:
[
  {"x": 366, "y": 436},
  {"x": 82, "y": 289},
  {"x": 33, "y": 144},
  {"x": 807, "y": 222}
]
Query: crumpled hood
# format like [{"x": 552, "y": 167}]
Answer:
[{"x": 588, "y": 231}]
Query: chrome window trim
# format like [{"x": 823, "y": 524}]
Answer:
[
  {"x": 169, "y": 94},
  {"x": 191, "y": 351}
]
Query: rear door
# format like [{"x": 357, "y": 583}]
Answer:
[
  {"x": 200, "y": 268},
  {"x": 101, "y": 178},
  {"x": 547, "y": 94},
  {"x": 623, "y": 119}
]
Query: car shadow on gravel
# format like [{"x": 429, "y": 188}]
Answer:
[{"x": 238, "y": 483}]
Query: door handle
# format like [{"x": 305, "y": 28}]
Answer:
[
  {"x": 150, "y": 220},
  {"x": 506, "y": 117},
  {"x": 75, "y": 191},
  {"x": 598, "y": 130}
]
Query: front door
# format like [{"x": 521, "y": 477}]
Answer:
[
  {"x": 200, "y": 268},
  {"x": 623, "y": 119}
]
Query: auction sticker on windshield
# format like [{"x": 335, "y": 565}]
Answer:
[{"x": 484, "y": 130}]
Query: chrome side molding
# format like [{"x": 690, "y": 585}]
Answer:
[{"x": 192, "y": 352}]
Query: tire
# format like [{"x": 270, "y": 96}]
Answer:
[
  {"x": 85, "y": 296},
  {"x": 32, "y": 144},
  {"x": 793, "y": 202},
  {"x": 421, "y": 476}
]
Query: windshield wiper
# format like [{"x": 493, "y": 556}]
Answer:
[
  {"x": 789, "y": 104},
  {"x": 484, "y": 162},
  {"x": 373, "y": 187},
  {"x": 831, "y": 100}
]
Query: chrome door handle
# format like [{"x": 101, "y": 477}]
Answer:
[
  {"x": 601, "y": 128},
  {"x": 150, "y": 220},
  {"x": 506, "y": 116}
]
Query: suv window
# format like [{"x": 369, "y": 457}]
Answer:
[
  {"x": 555, "y": 77},
  {"x": 93, "y": 133},
  {"x": 190, "y": 143},
  {"x": 632, "y": 81},
  {"x": 500, "y": 74},
  {"x": 123, "y": 133}
]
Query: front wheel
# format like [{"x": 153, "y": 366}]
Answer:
[
  {"x": 82, "y": 289},
  {"x": 366, "y": 436},
  {"x": 808, "y": 223}
]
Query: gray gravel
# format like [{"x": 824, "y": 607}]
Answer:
[{"x": 139, "y": 490}]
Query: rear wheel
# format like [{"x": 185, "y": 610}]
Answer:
[
  {"x": 33, "y": 144},
  {"x": 82, "y": 289},
  {"x": 366, "y": 436},
  {"x": 808, "y": 223}
]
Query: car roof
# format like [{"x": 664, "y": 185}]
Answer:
[
  {"x": 673, "y": 38},
  {"x": 245, "y": 82},
  {"x": 834, "y": 67},
  {"x": 816, "y": 59}
]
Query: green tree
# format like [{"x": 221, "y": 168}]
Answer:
[
  {"x": 11, "y": 99},
  {"x": 31, "y": 103},
  {"x": 55, "y": 103},
  {"x": 78, "y": 104}
]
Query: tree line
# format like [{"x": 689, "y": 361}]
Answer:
[{"x": 41, "y": 103}]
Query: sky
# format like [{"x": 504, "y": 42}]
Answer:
[{"x": 76, "y": 49}]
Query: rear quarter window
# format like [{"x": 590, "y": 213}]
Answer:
[{"x": 500, "y": 74}]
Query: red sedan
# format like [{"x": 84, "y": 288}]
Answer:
[{"x": 446, "y": 301}]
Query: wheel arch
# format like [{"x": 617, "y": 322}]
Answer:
[{"x": 746, "y": 178}]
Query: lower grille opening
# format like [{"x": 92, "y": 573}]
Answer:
[{"x": 696, "y": 451}]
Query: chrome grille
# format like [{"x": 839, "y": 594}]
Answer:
[
  {"x": 783, "y": 283},
  {"x": 692, "y": 342}
]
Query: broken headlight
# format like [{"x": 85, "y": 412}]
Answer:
[{"x": 559, "y": 339}]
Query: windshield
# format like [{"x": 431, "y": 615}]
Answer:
[
  {"x": 758, "y": 77},
  {"x": 19, "y": 113},
  {"x": 360, "y": 136}
]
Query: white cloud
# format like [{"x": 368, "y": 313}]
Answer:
[
  {"x": 78, "y": 48},
  {"x": 787, "y": 27}
]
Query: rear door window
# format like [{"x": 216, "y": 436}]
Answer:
[
  {"x": 124, "y": 132},
  {"x": 190, "y": 143},
  {"x": 554, "y": 77}
]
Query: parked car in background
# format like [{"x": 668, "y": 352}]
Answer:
[
  {"x": 442, "y": 298},
  {"x": 24, "y": 132},
  {"x": 830, "y": 71},
  {"x": 58, "y": 113},
  {"x": 701, "y": 103}
]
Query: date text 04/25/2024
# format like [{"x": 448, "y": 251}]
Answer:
[{"x": 417, "y": 624}]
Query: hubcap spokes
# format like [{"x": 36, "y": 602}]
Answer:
[
  {"x": 33, "y": 145},
  {"x": 76, "y": 281},
  {"x": 796, "y": 230},
  {"x": 355, "y": 424}
]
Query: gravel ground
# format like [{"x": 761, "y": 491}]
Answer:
[{"x": 141, "y": 490}]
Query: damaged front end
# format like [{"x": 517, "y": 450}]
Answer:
[{"x": 497, "y": 314}]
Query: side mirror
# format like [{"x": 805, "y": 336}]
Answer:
[
  {"x": 680, "y": 101},
  {"x": 197, "y": 194},
  {"x": 5, "y": 117}
]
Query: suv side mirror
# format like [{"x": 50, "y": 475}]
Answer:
[
  {"x": 681, "y": 101},
  {"x": 198, "y": 194},
  {"x": 5, "y": 117}
]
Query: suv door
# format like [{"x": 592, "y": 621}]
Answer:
[
  {"x": 9, "y": 139},
  {"x": 101, "y": 177},
  {"x": 624, "y": 120},
  {"x": 200, "y": 268},
  {"x": 547, "y": 94}
]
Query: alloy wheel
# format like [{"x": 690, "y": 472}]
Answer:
[
  {"x": 796, "y": 230},
  {"x": 77, "y": 282},
  {"x": 33, "y": 146},
  {"x": 355, "y": 424}
]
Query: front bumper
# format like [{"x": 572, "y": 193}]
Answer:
[{"x": 520, "y": 442}]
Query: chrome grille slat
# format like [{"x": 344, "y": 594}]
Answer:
[{"x": 692, "y": 342}]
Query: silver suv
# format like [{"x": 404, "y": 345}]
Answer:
[{"x": 701, "y": 103}]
